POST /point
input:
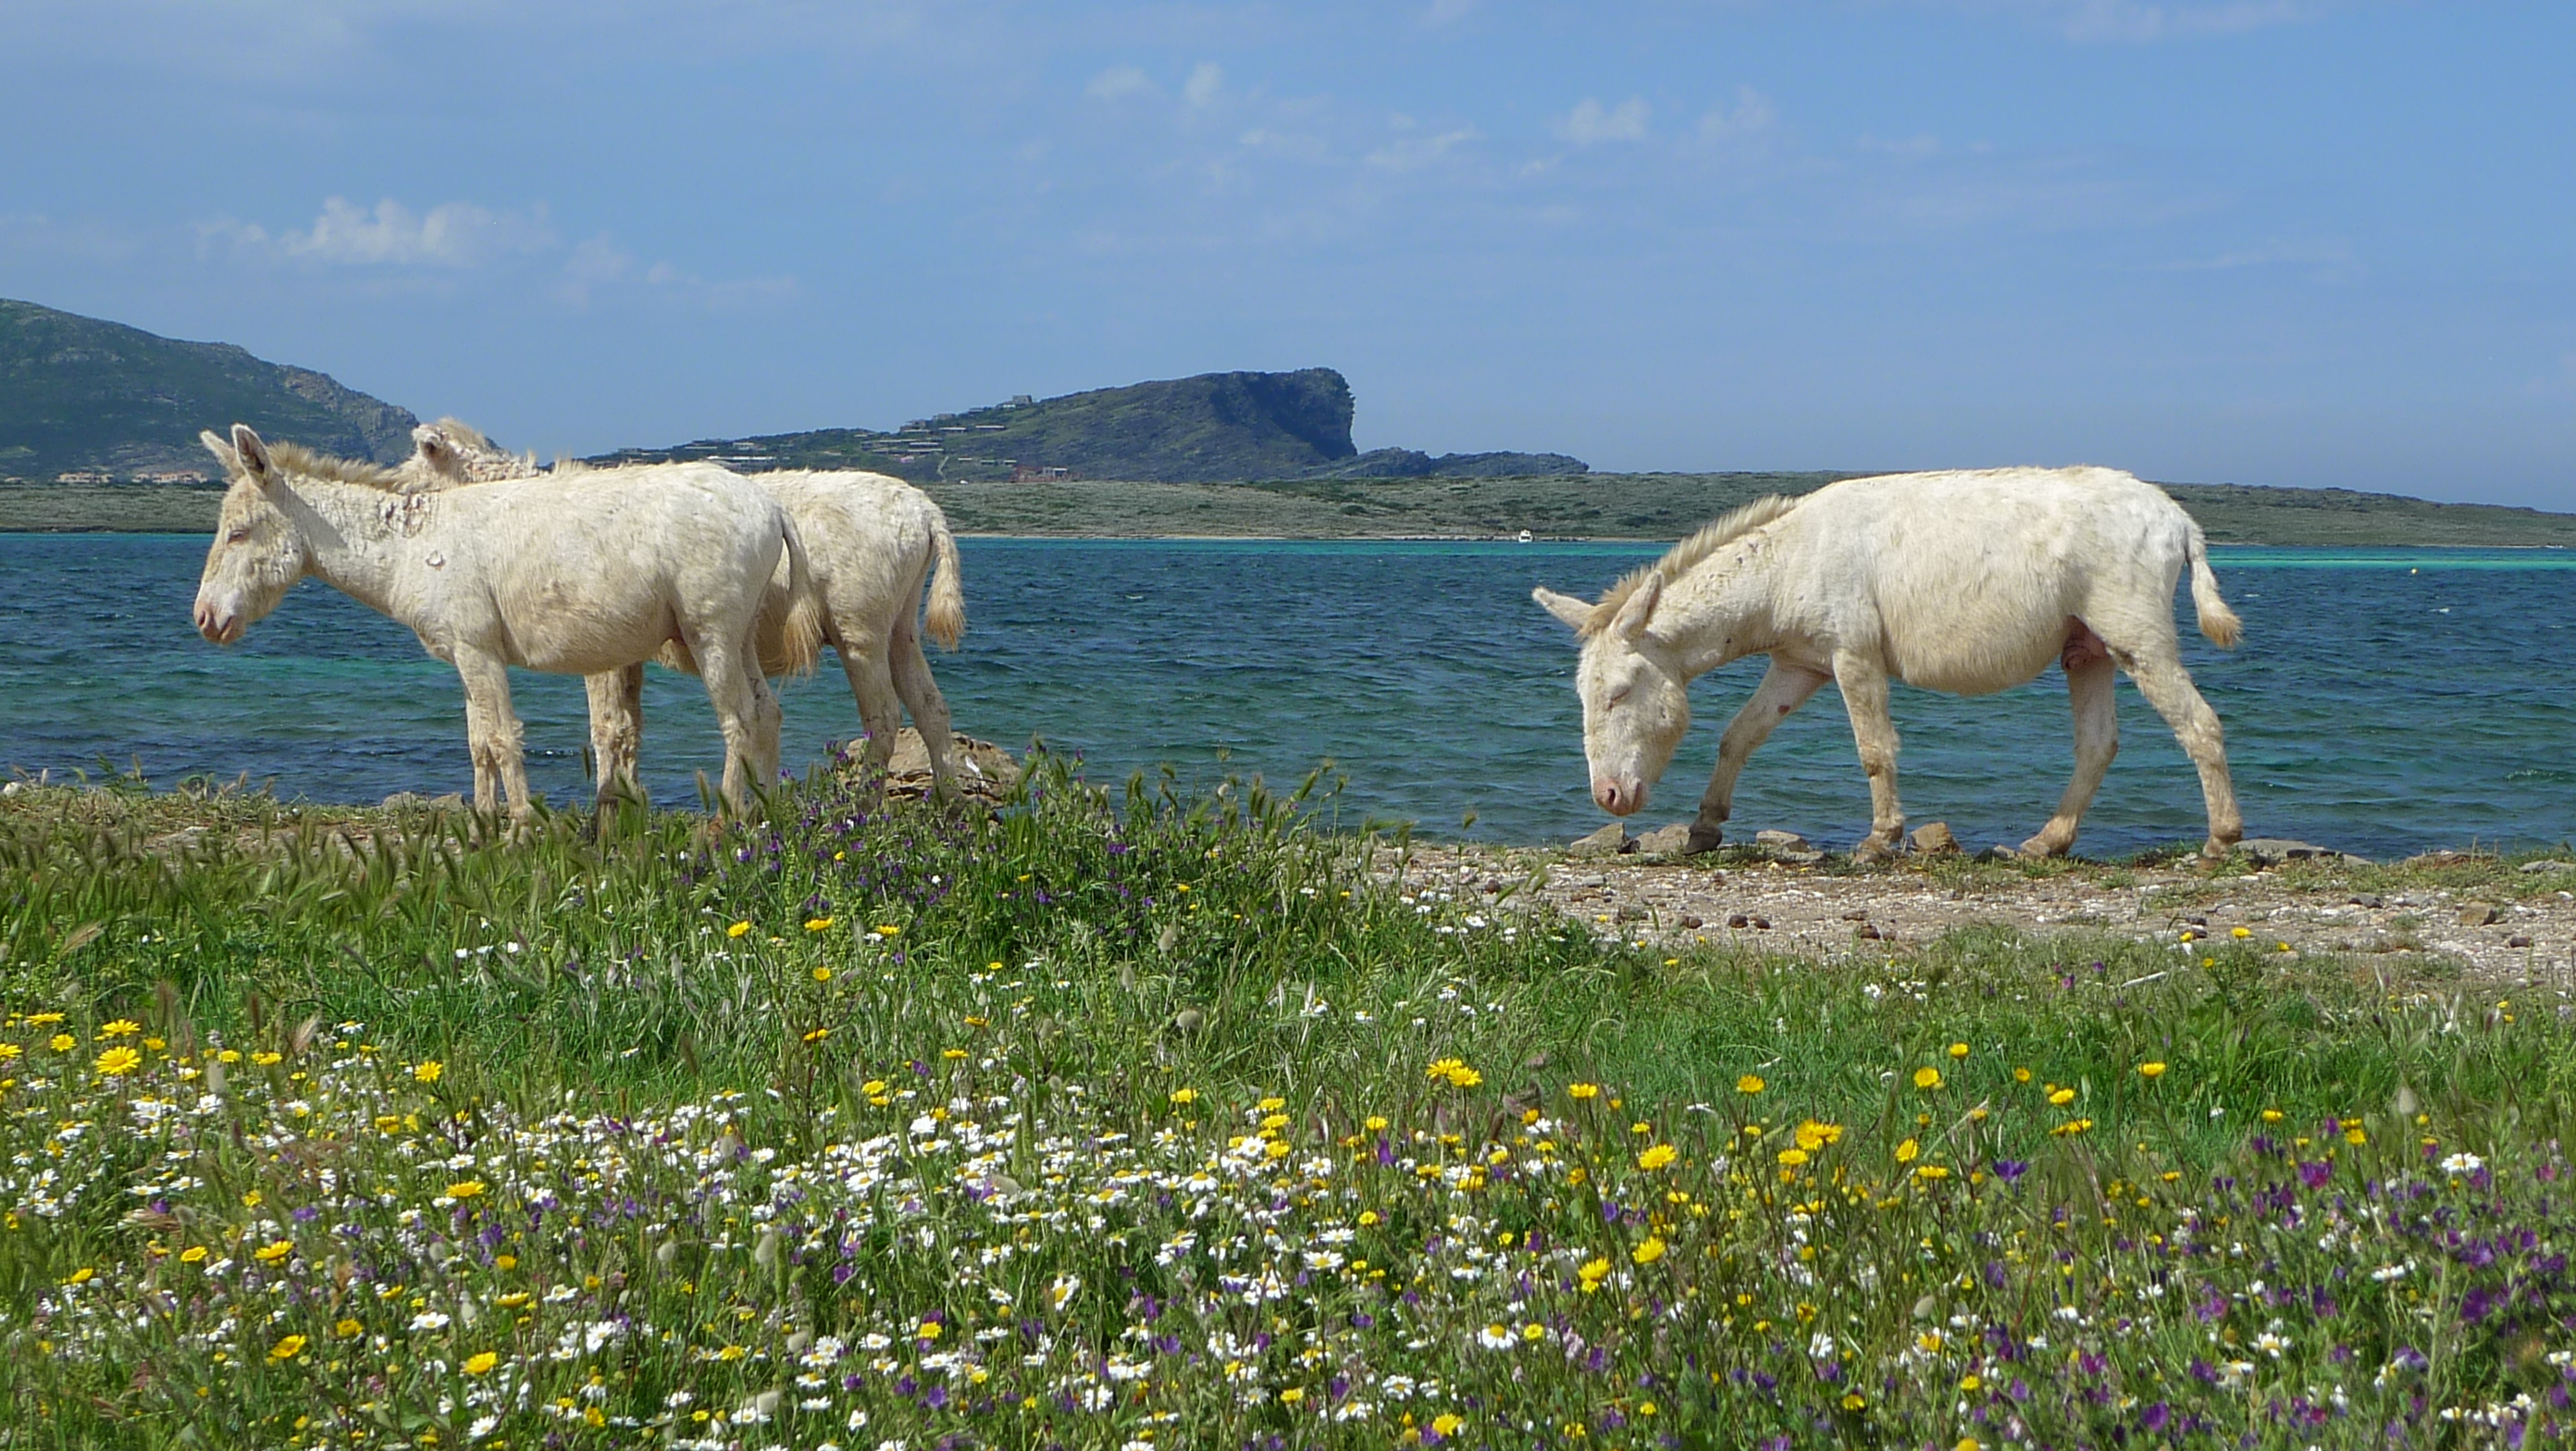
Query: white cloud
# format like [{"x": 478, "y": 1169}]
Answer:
[
  {"x": 450, "y": 235},
  {"x": 1117, "y": 82},
  {"x": 1752, "y": 115},
  {"x": 2150, "y": 20},
  {"x": 2324, "y": 261},
  {"x": 1206, "y": 82},
  {"x": 1592, "y": 122},
  {"x": 598, "y": 264},
  {"x": 1412, "y": 153}
]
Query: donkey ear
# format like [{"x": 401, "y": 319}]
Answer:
[
  {"x": 255, "y": 458},
  {"x": 1565, "y": 607},
  {"x": 1632, "y": 617},
  {"x": 222, "y": 451}
]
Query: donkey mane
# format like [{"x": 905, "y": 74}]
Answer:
[
  {"x": 1679, "y": 559},
  {"x": 464, "y": 432},
  {"x": 295, "y": 458}
]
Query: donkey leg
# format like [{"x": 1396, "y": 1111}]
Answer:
[
  {"x": 921, "y": 697},
  {"x": 2167, "y": 687},
  {"x": 1863, "y": 682},
  {"x": 616, "y": 730},
  {"x": 766, "y": 723},
  {"x": 492, "y": 730},
  {"x": 487, "y": 781},
  {"x": 724, "y": 667},
  {"x": 2097, "y": 739},
  {"x": 1784, "y": 688},
  {"x": 863, "y": 660}
]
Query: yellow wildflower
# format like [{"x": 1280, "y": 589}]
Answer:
[
  {"x": 118, "y": 1061},
  {"x": 888, "y": 929},
  {"x": 1658, "y": 1157},
  {"x": 121, "y": 1028},
  {"x": 62, "y": 1042},
  {"x": 2061, "y": 1097},
  {"x": 272, "y": 1252},
  {"x": 1906, "y": 1151},
  {"x": 1456, "y": 1071},
  {"x": 287, "y": 1349},
  {"x": 1185, "y": 1096},
  {"x": 738, "y": 929},
  {"x": 429, "y": 1071},
  {"x": 2151, "y": 1070},
  {"x": 820, "y": 924},
  {"x": 1927, "y": 1079},
  {"x": 1958, "y": 1050},
  {"x": 1593, "y": 1272},
  {"x": 481, "y": 1362},
  {"x": 1648, "y": 1252},
  {"x": 1583, "y": 1090},
  {"x": 464, "y": 1188},
  {"x": 822, "y": 974}
]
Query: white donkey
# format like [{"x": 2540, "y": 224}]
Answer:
[
  {"x": 571, "y": 576},
  {"x": 1959, "y": 582},
  {"x": 875, "y": 541}
]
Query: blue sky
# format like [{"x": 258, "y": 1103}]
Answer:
[{"x": 2308, "y": 242}]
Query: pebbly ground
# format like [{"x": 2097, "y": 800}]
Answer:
[{"x": 2441, "y": 915}]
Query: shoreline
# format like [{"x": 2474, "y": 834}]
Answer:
[
  {"x": 2492, "y": 919},
  {"x": 1582, "y": 509},
  {"x": 1642, "y": 540}
]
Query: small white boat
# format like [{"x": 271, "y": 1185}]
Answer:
[{"x": 1526, "y": 536}]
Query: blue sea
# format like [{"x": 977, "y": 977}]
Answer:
[{"x": 2384, "y": 702}]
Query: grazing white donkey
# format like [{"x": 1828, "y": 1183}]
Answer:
[
  {"x": 571, "y": 576},
  {"x": 874, "y": 542},
  {"x": 1959, "y": 582}
]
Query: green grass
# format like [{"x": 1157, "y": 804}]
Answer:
[{"x": 1184, "y": 1130}]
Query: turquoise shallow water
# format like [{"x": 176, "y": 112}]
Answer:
[{"x": 2384, "y": 701}]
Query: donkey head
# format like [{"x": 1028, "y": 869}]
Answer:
[
  {"x": 259, "y": 551},
  {"x": 1636, "y": 701},
  {"x": 448, "y": 453}
]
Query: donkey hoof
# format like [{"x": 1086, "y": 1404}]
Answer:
[
  {"x": 1703, "y": 839},
  {"x": 2040, "y": 849},
  {"x": 1871, "y": 851}
]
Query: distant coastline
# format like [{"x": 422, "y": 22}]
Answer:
[{"x": 1557, "y": 508}]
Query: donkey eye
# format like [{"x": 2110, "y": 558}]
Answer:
[{"x": 236, "y": 536}]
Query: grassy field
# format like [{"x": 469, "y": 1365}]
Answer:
[
  {"x": 1597, "y": 506},
  {"x": 1122, "y": 1120}
]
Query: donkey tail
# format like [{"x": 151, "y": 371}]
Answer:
[
  {"x": 946, "y": 621},
  {"x": 800, "y": 633},
  {"x": 2217, "y": 621}
]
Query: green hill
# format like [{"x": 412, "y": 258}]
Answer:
[
  {"x": 89, "y": 398},
  {"x": 1216, "y": 427}
]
